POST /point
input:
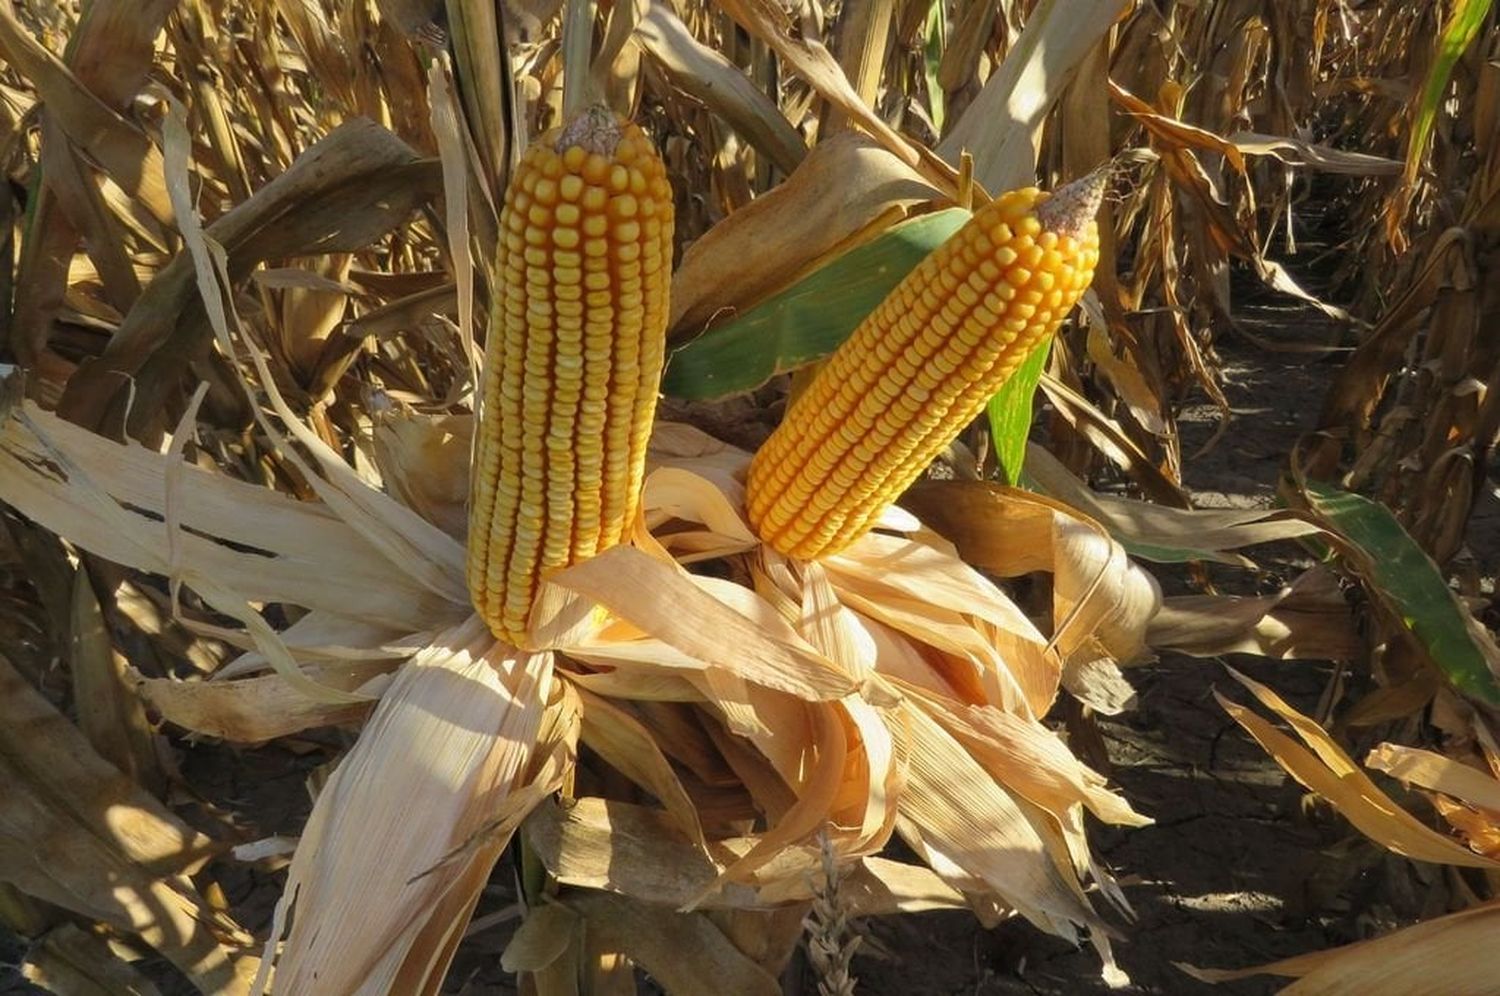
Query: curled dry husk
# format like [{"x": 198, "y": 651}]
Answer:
[{"x": 889, "y": 690}]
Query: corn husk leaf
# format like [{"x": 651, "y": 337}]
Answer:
[
  {"x": 1009, "y": 412},
  {"x": 452, "y": 740},
  {"x": 847, "y": 190},
  {"x": 1029, "y": 759},
  {"x": 421, "y": 458},
  {"x": 1309, "y": 619},
  {"x": 678, "y": 609},
  {"x": 1161, "y": 533},
  {"x": 255, "y": 710},
  {"x": 543, "y": 937},
  {"x": 1278, "y": 626},
  {"x": 628, "y": 746},
  {"x": 638, "y": 852},
  {"x": 972, "y": 824},
  {"x": 1008, "y": 663},
  {"x": 1101, "y": 601},
  {"x": 324, "y": 637},
  {"x": 123, "y": 509},
  {"x": 869, "y": 609}
]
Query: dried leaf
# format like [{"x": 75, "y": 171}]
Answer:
[
  {"x": 1401, "y": 575},
  {"x": 347, "y": 191},
  {"x": 70, "y": 962},
  {"x": 685, "y": 952},
  {"x": 1002, "y": 127},
  {"x": 1432, "y": 771},
  {"x": 707, "y": 75},
  {"x": 1329, "y": 771},
  {"x": 76, "y": 832},
  {"x": 1447, "y": 954}
]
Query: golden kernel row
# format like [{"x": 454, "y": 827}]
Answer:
[
  {"x": 914, "y": 373},
  {"x": 572, "y": 366}
]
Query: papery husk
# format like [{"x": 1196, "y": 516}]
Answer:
[
  {"x": 843, "y": 697},
  {"x": 955, "y": 670},
  {"x": 637, "y": 851},
  {"x": 457, "y": 723},
  {"x": 450, "y": 742},
  {"x": 1011, "y": 532}
]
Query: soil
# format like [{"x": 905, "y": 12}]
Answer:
[{"x": 1237, "y": 870}]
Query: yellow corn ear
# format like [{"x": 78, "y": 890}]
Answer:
[
  {"x": 921, "y": 366},
  {"x": 572, "y": 363}
]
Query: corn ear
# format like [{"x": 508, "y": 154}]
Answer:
[
  {"x": 573, "y": 360},
  {"x": 921, "y": 367}
]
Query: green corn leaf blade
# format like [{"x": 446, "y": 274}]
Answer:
[
  {"x": 1462, "y": 27},
  {"x": 1400, "y": 574},
  {"x": 808, "y": 320},
  {"x": 932, "y": 57},
  {"x": 1010, "y": 411}
]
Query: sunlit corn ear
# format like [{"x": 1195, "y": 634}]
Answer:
[
  {"x": 921, "y": 367},
  {"x": 573, "y": 361}
]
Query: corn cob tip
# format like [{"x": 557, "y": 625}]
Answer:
[
  {"x": 595, "y": 129},
  {"x": 1073, "y": 205}
]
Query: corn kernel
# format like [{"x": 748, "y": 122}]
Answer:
[
  {"x": 573, "y": 361},
  {"x": 920, "y": 368}
]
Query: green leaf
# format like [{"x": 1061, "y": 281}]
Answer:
[
  {"x": 932, "y": 57},
  {"x": 808, "y": 320},
  {"x": 1401, "y": 575},
  {"x": 1010, "y": 411},
  {"x": 1462, "y": 27}
]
